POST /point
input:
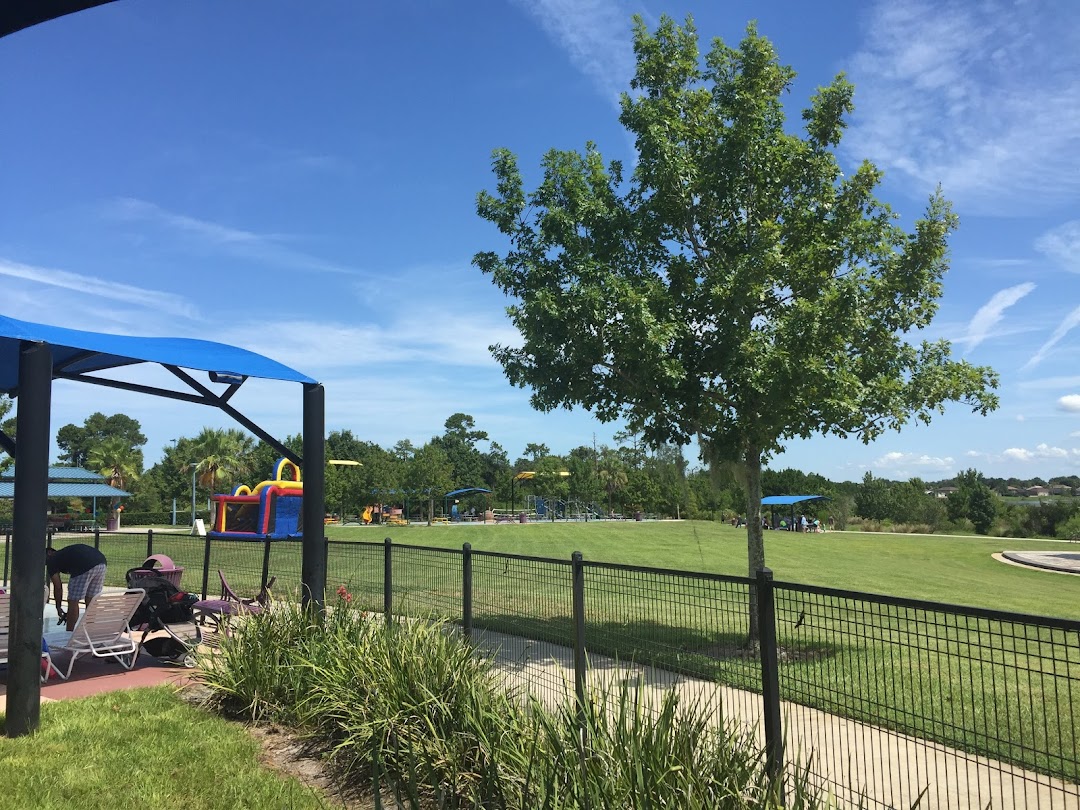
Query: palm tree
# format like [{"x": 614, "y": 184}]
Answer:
[
  {"x": 118, "y": 461},
  {"x": 613, "y": 476},
  {"x": 221, "y": 456}
]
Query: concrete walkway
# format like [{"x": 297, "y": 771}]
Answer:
[
  {"x": 856, "y": 762},
  {"x": 1064, "y": 562}
]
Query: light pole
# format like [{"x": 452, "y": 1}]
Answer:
[{"x": 192, "y": 464}]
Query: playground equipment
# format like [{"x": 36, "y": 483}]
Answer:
[{"x": 272, "y": 509}]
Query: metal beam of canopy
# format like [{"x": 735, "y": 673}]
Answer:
[
  {"x": 31, "y": 356},
  {"x": 15, "y": 15}
]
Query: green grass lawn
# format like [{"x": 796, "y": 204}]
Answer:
[
  {"x": 944, "y": 569},
  {"x": 970, "y": 683},
  {"x": 137, "y": 749}
]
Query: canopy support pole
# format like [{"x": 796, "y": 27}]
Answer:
[
  {"x": 28, "y": 539},
  {"x": 313, "y": 562}
]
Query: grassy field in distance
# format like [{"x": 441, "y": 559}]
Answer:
[{"x": 938, "y": 568}]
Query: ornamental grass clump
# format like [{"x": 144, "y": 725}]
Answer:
[
  {"x": 408, "y": 702},
  {"x": 621, "y": 750},
  {"x": 409, "y": 707}
]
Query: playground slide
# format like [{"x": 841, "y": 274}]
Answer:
[{"x": 366, "y": 517}]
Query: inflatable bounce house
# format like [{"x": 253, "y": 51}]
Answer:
[{"x": 272, "y": 509}]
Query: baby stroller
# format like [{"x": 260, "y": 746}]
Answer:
[{"x": 165, "y": 608}]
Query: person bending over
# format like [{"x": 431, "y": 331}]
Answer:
[{"x": 85, "y": 566}]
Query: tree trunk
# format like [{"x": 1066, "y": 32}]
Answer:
[
  {"x": 430, "y": 510},
  {"x": 755, "y": 541}
]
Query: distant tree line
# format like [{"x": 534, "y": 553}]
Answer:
[{"x": 624, "y": 479}]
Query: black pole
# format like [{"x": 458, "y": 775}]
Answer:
[
  {"x": 266, "y": 563},
  {"x": 578, "y": 585},
  {"x": 97, "y": 537},
  {"x": 466, "y": 590},
  {"x": 149, "y": 543},
  {"x": 388, "y": 579},
  {"x": 770, "y": 684},
  {"x": 28, "y": 553},
  {"x": 578, "y": 590},
  {"x": 206, "y": 567},
  {"x": 313, "y": 565}
]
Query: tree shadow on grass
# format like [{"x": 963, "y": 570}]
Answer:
[{"x": 718, "y": 656}]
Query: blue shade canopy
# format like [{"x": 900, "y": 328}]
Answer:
[
  {"x": 61, "y": 474},
  {"x": 788, "y": 500},
  {"x": 77, "y": 352},
  {"x": 466, "y": 491},
  {"x": 70, "y": 489}
]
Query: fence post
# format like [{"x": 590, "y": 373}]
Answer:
[
  {"x": 466, "y": 590},
  {"x": 266, "y": 563},
  {"x": 97, "y": 537},
  {"x": 206, "y": 566},
  {"x": 578, "y": 569},
  {"x": 770, "y": 683},
  {"x": 149, "y": 543},
  {"x": 7, "y": 552},
  {"x": 388, "y": 579}
]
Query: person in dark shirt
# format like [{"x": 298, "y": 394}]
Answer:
[{"x": 85, "y": 566}]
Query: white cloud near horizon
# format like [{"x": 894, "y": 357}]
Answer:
[
  {"x": 903, "y": 463},
  {"x": 1062, "y": 244},
  {"x": 980, "y": 97},
  {"x": 266, "y": 248},
  {"x": 165, "y": 303},
  {"x": 595, "y": 34},
  {"x": 1070, "y": 322},
  {"x": 1042, "y": 452},
  {"x": 991, "y": 313}
]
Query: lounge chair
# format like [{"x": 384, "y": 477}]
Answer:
[
  {"x": 219, "y": 611},
  {"x": 102, "y": 631},
  {"x": 5, "y": 629}
]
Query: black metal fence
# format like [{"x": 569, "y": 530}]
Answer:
[{"x": 881, "y": 701}]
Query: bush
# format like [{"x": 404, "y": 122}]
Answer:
[{"x": 413, "y": 704}]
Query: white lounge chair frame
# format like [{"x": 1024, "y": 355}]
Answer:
[
  {"x": 102, "y": 631},
  {"x": 5, "y": 630}
]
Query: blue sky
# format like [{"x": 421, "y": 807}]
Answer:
[{"x": 304, "y": 186}]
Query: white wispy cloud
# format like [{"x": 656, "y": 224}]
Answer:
[
  {"x": 1050, "y": 383},
  {"x": 981, "y": 97},
  {"x": 903, "y": 463},
  {"x": 1070, "y": 322},
  {"x": 166, "y": 303},
  {"x": 595, "y": 34},
  {"x": 991, "y": 313},
  {"x": 432, "y": 336},
  {"x": 265, "y": 248},
  {"x": 1062, "y": 244}
]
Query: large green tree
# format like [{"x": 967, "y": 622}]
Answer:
[
  {"x": 738, "y": 286},
  {"x": 459, "y": 442},
  {"x": 430, "y": 475},
  {"x": 75, "y": 442}
]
